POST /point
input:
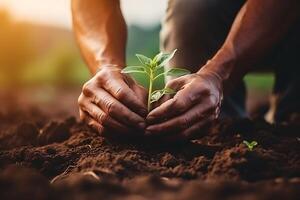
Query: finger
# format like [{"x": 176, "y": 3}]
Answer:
[
  {"x": 121, "y": 91},
  {"x": 180, "y": 103},
  {"x": 176, "y": 85},
  {"x": 91, "y": 122},
  {"x": 141, "y": 93},
  {"x": 161, "y": 101},
  {"x": 117, "y": 110},
  {"x": 181, "y": 122},
  {"x": 105, "y": 120},
  {"x": 187, "y": 97},
  {"x": 81, "y": 115},
  {"x": 197, "y": 130}
]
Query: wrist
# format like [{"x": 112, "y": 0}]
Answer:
[
  {"x": 222, "y": 67},
  {"x": 222, "y": 64},
  {"x": 113, "y": 64}
]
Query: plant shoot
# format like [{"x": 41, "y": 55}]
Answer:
[
  {"x": 250, "y": 145},
  {"x": 152, "y": 68}
]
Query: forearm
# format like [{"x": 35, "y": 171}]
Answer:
[
  {"x": 101, "y": 32},
  {"x": 257, "y": 28}
]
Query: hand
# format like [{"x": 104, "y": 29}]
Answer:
[
  {"x": 196, "y": 104},
  {"x": 111, "y": 102}
]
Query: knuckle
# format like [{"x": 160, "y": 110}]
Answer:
[
  {"x": 184, "y": 122},
  {"x": 100, "y": 117},
  {"x": 172, "y": 83},
  {"x": 111, "y": 107},
  {"x": 102, "y": 76},
  {"x": 120, "y": 94},
  {"x": 101, "y": 73},
  {"x": 87, "y": 89},
  {"x": 180, "y": 105},
  {"x": 192, "y": 98},
  {"x": 104, "y": 118},
  {"x": 205, "y": 89}
]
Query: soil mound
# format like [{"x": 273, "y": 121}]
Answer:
[{"x": 42, "y": 159}]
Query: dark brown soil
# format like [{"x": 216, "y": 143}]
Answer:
[{"x": 41, "y": 158}]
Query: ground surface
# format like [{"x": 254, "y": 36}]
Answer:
[{"x": 44, "y": 154}]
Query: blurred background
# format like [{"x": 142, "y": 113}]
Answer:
[{"x": 39, "y": 59}]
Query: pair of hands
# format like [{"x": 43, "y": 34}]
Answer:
[{"x": 112, "y": 102}]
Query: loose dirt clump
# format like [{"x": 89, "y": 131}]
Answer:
[{"x": 42, "y": 159}]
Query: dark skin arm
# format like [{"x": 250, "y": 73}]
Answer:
[
  {"x": 257, "y": 28},
  {"x": 110, "y": 101}
]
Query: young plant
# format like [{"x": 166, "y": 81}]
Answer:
[
  {"x": 250, "y": 145},
  {"x": 153, "y": 69}
]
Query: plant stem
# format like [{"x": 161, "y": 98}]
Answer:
[{"x": 150, "y": 90}]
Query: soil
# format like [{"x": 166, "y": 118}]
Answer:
[{"x": 43, "y": 156}]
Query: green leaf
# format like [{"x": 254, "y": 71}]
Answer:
[
  {"x": 253, "y": 143},
  {"x": 162, "y": 59},
  {"x": 144, "y": 60},
  {"x": 246, "y": 143},
  {"x": 250, "y": 145},
  {"x": 177, "y": 72},
  {"x": 133, "y": 69},
  {"x": 156, "y": 95}
]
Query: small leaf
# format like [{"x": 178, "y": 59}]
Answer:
[
  {"x": 156, "y": 95},
  {"x": 157, "y": 57},
  {"x": 250, "y": 145},
  {"x": 177, "y": 72},
  {"x": 163, "y": 58},
  {"x": 144, "y": 60},
  {"x": 133, "y": 69},
  {"x": 246, "y": 143}
]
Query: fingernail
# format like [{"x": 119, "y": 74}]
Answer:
[{"x": 142, "y": 125}]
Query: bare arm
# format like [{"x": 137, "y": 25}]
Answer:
[
  {"x": 110, "y": 101},
  {"x": 259, "y": 26},
  {"x": 101, "y": 32}
]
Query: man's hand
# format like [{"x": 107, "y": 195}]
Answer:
[
  {"x": 113, "y": 102},
  {"x": 196, "y": 104}
]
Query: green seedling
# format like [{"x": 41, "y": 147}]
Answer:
[
  {"x": 152, "y": 68},
  {"x": 250, "y": 145}
]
